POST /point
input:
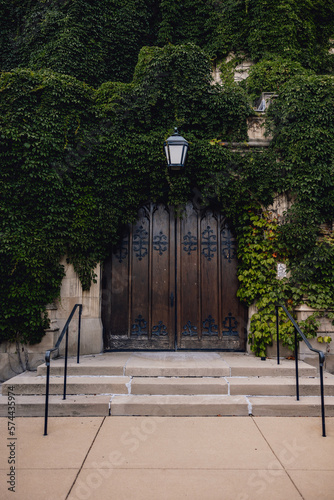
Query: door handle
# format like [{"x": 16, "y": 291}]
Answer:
[{"x": 172, "y": 299}]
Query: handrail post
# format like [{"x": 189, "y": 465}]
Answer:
[
  {"x": 65, "y": 366},
  {"x": 47, "y": 397},
  {"x": 321, "y": 364},
  {"x": 277, "y": 333},
  {"x": 322, "y": 394},
  {"x": 296, "y": 361},
  {"x": 79, "y": 332},
  {"x": 65, "y": 331}
]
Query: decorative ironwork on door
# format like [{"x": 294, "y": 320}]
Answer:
[
  {"x": 140, "y": 242},
  {"x": 172, "y": 282},
  {"x": 209, "y": 243}
]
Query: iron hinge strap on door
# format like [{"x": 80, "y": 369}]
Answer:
[{"x": 172, "y": 299}]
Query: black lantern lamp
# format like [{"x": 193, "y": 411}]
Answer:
[{"x": 176, "y": 148}]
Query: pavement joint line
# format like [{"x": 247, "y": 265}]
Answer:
[
  {"x": 287, "y": 473},
  {"x": 275, "y": 455},
  {"x": 84, "y": 460}
]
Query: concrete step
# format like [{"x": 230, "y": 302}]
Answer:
[
  {"x": 280, "y": 386},
  {"x": 199, "y": 405},
  {"x": 178, "y": 385},
  {"x": 28, "y": 383},
  {"x": 250, "y": 366},
  {"x": 112, "y": 364},
  {"x": 287, "y": 406},
  {"x": 169, "y": 383},
  {"x": 73, "y": 406},
  {"x": 177, "y": 364},
  {"x": 259, "y": 386},
  {"x": 177, "y": 406}
]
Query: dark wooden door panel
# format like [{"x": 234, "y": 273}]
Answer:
[
  {"x": 188, "y": 277},
  {"x": 174, "y": 280},
  {"x": 162, "y": 276},
  {"x": 140, "y": 316},
  {"x": 209, "y": 314}
]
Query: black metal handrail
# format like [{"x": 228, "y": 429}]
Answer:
[
  {"x": 48, "y": 359},
  {"x": 321, "y": 360}
]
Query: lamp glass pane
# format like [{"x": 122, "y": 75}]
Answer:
[
  {"x": 166, "y": 148},
  {"x": 184, "y": 153},
  {"x": 175, "y": 151}
]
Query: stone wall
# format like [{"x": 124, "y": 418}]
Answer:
[
  {"x": 241, "y": 69},
  {"x": 326, "y": 329},
  {"x": 91, "y": 325},
  {"x": 16, "y": 358}
]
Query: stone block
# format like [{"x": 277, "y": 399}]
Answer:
[
  {"x": 28, "y": 383},
  {"x": 47, "y": 342},
  {"x": 256, "y": 128},
  {"x": 70, "y": 287},
  {"x": 179, "y": 405},
  {"x": 9, "y": 366},
  {"x": 169, "y": 364},
  {"x": 179, "y": 386},
  {"x": 284, "y": 352},
  {"x": 287, "y": 406},
  {"x": 91, "y": 339},
  {"x": 73, "y": 406}
]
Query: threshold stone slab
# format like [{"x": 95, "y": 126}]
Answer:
[
  {"x": 95, "y": 364},
  {"x": 177, "y": 364},
  {"x": 243, "y": 365}
]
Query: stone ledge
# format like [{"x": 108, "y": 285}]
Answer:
[
  {"x": 179, "y": 405},
  {"x": 288, "y": 406},
  {"x": 28, "y": 384},
  {"x": 178, "y": 386},
  {"x": 73, "y": 406}
]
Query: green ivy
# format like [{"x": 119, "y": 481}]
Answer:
[
  {"x": 260, "y": 248},
  {"x": 99, "y": 41},
  {"x": 78, "y": 159},
  {"x": 295, "y": 30},
  {"x": 270, "y": 74}
]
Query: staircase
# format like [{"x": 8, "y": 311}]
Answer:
[{"x": 171, "y": 384}]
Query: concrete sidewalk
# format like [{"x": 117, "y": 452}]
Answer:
[{"x": 168, "y": 458}]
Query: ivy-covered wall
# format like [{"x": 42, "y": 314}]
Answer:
[{"x": 88, "y": 93}]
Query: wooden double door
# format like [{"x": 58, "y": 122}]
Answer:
[{"x": 171, "y": 283}]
